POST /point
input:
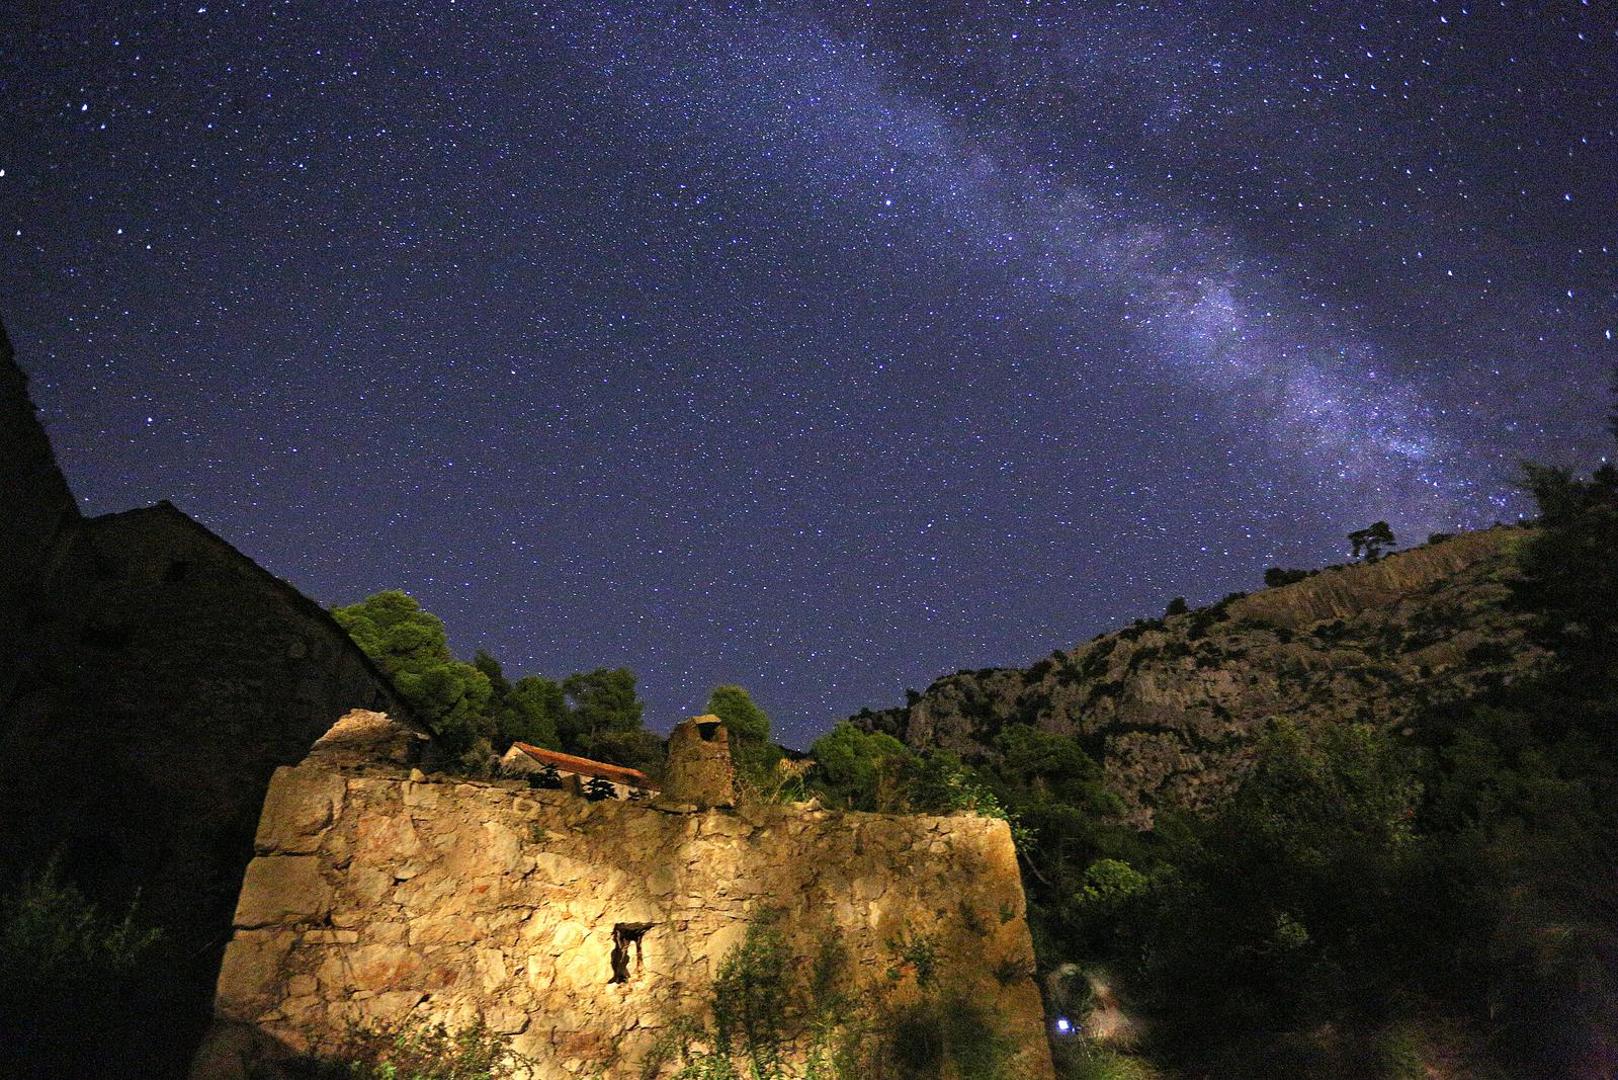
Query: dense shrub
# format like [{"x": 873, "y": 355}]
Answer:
[
  {"x": 423, "y": 1050},
  {"x": 66, "y": 968}
]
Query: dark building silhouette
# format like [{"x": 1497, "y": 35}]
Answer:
[{"x": 152, "y": 677}]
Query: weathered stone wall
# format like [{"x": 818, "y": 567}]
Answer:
[
  {"x": 379, "y": 894},
  {"x": 699, "y": 768}
]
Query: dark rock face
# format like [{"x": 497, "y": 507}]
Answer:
[
  {"x": 36, "y": 511},
  {"x": 157, "y": 679},
  {"x": 1171, "y": 707}
]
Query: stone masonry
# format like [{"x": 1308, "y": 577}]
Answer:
[
  {"x": 381, "y": 894},
  {"x": 699, "y": 769}
]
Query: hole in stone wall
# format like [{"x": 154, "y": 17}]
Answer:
[
  {"x": 707, "y": 731},
  {"x": 627, "y": 937}
]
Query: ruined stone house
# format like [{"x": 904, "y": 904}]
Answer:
[
  {"x": 367, "y": 890},
  {"x": 581, "y": 930},
  {"x": 193, "y": 672}
]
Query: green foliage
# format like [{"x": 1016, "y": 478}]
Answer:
[
  {"x": 409, "y": 644},
  {"x": 937, "y": 783},
  {"x": 771, "y": 1008},
  {"x": 1109, "y": 884},
  {"x": 605, "y": 704},
  {"x": 951, "y": 1035},
  {"x": 419, "y": 1050},
  {"x": 756, "y": 994},
  {"x": 916, "y": 956},
  {"x": 1080, "y": 1059},
  {"x": 525, "y": 711},
  {"x": 755, "y": 755},
  {"x": 1370, "y": 540},
  {"x": 1569, "y": 579},
  {"x": 1279, "y": 909},
  {"x": 636, "y": 748},
  {"x": 753, "y": 994},
  {"x": 598, "y": 789},
  {"x": 66, "y": 967},
  {"x": 1177, "y": 606},
  {"x": 50, "y": 935},
  {"x": 1276, "y": 576},
  {"x": 857, "y": 770},
  {"x": 476, "y": 711}
]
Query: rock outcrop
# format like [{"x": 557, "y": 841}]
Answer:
[
  {"x": 580, "y": 930},
  {"x": 1172, "y": 707}
]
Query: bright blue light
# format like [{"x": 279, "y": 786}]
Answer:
[{"x": 1064, "y": 1026}]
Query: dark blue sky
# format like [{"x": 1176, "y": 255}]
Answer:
[{"x": 813, "y": 348}]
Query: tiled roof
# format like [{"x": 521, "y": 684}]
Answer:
[{"x": 618, "y": 774}]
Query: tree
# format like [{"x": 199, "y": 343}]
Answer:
[
  {"x": 409, "y": 644},
  {"x": 1286, "y": 905},
  {"x": 524, "y": 711},
  {"x": 1570, "y": 576},
  {"x": 749, "y": 726},
  {"x": 604, "y": 703},
  {"x": 1177, "y": 606},
  {"x": 535, "y": 708},
  {"x": 1371, "y": 540},
  {"x": 634, "y": 749},
  {"x": 855, "y": 769}
]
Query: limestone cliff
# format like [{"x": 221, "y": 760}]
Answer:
[{"x": 1171, "y": 707}]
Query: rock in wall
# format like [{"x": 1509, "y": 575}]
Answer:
[{"x": 380, "y": 894}]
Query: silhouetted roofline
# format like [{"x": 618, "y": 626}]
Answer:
[{"x": 286, "y": 589}]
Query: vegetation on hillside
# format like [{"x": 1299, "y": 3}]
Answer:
[{"x": 1367, "y": 900}]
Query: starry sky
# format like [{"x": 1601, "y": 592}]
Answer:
[{"x": 824, "y": 348}]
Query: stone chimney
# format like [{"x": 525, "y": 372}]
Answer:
[{"x": 699, "y": 769}]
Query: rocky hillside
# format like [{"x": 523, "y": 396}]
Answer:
[{"x": 1171, "y": 706}]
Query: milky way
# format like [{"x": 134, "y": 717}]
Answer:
[{"x": 815, "y": 348}]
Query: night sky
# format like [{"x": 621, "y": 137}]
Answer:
[{"x": 811, "y": 347}]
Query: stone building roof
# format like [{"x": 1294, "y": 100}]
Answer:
[
  {"x": 618, "y": 774},
  {"x": 397, "y": 707}
]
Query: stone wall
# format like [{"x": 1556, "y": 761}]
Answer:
[{"x": 380, "y": 894}]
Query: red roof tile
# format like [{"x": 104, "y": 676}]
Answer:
[{"x": 618, "y": 774}]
